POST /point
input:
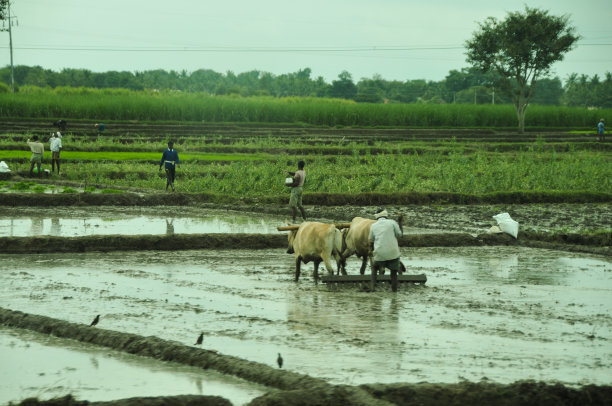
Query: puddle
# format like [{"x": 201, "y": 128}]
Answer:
[
  {"x": 79, "y": 221},
  {"x": 75, "y": 222},
  {"x": 504, "y": 313},
  {"x": 35, "y": 365}
]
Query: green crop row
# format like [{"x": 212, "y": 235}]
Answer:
[
  {"x": 130, "y": 156},
  {"x": 199, "y": 107},
  {"x": 449, "y": 171}
]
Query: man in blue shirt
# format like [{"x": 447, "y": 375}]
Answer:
[
  {"x": 600, "y": 130},
  {"x": 171, "y": 159}
]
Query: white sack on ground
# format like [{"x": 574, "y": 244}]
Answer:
[
  {"x": 506, "y": 224},
  {"x": 4, "y": 167},
  {"x": 495, "y": 230}
]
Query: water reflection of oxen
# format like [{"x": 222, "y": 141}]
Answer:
[
  {"x": 317, "y": 242},
  {"x": 355, "y": 240},
  {"x": 352, "y": 318}
]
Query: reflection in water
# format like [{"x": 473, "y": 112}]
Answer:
[
  {"x": 27, "y": 222},
  {"x": 36, "y": 228},
  {"x": 198, "y": 383},
  {"x": 94, "y": 362},
  {"x": 56, "y": 228},
  {"x": 170, "y": 226},
  {"x": 371, "y": 318}
]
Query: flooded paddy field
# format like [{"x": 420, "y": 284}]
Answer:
[
  {"x": 109, "y": 220},
  {"x": 499, "y": 313},
  {"x": 44, "y": 366},
  {"x": 81, "y": 221}
]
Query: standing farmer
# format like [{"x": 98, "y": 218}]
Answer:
[
  {"x": 601, "y": 131},
  {"x": 171, "y": 159},
  {"x": 55, "y": 145},
  {"x": 383, "y": 243},
  {"x": 38, "y": 150},
  {"x": 295, "y": 201}
]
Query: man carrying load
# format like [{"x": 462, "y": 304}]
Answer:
[
  {"x": 170, "y": 159},
  {"x": 295, "y": 201}
]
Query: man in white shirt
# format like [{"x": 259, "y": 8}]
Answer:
[
  {"x": 55, "y": 145},
  {"x": 384, "y": 245},
  {"x": 295, "y": 201}
]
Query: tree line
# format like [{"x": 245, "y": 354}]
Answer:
[{"x": 465, "y": 86}]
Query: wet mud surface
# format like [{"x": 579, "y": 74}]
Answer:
[
  {"x": 478, "y": 218},
  {"x": 504, "y": 313},
  {"x": 501, "y": 313}
]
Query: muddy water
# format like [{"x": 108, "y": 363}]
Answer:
[
  {"x": 504, "y": 313},
  {"x": 82, "y": 221},
  {"x": 75, "y": 222},
  {"x": 35, "y": 365}
]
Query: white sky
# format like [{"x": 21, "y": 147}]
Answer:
[{"x": 397, "y": 39}]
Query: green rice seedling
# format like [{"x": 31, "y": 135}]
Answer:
[{"x": 22, "y": 186}]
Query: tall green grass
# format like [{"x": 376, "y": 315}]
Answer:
[{"x": 120, "y": 104}]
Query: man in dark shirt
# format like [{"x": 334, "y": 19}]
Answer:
[{"x": 170, "y": 159}]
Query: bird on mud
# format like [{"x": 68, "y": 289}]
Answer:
[
  {"x": 200, "y": 339},
  {"x": 279, "y": 360},
  {"x": 95, "y": 321}
]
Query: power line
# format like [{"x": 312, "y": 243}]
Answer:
[
  {"x": 235, "y": 49},
  {"x": 252, "y": 49}
]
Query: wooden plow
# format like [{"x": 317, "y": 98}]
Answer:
[{"x": 420, "y": 279}]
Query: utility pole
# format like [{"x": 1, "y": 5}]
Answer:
[
  {"x": 10, "y": 31},
  {"x": 11, "y": 46}
]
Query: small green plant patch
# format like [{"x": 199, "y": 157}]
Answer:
[
  {"x": 134, "y": 156},
  {"x": 21, "y": 186}
]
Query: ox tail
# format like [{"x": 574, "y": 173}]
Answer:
[{"x": 330, "y": 249}]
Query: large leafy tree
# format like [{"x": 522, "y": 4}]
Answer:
[
  {"x": 521, "y": 49},
  {"x": 343, "y": 87}
]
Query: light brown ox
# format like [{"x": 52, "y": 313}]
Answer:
[
  {"x": 355, "y": 240},
  {"x": 317, "y": 242}
]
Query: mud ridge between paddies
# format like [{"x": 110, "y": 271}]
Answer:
[
  {"x": 290, "y": 388},
  {"x": 145, "y": 198},
  {"x": 174, "y": 242}
]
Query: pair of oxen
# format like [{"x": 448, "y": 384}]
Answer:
[{"x": 320, "y": 242}]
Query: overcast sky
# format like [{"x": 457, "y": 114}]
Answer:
[{"x": 397, "y": 39}]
